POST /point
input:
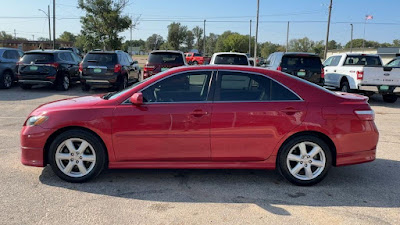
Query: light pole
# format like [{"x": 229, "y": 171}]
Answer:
[
  {"x": 48, "y": 18},
  {"x": 351, "y": 38},
  {"x": 327, "y": 30},
  {"x": 255, "y": 44},
  {"x": 250, "y": 41},
  {"x": 287, "y": 36},
  {"x": 54, "y": 24}
]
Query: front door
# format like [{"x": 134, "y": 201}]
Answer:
[
  {"x": 251, "y": 114},
  {"x": 172, "y": 125}
]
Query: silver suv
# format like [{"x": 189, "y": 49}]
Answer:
[{"x": 8, "y": 66}]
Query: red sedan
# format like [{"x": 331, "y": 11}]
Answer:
[{"x": 204, "y": 117}]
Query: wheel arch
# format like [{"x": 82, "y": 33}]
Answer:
[
  {"x": 317, "y": 134},
  {"x": 64, "y": 129}
]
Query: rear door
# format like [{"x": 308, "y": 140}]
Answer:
[
  {"x": 330, "y": 69},
  {"x": 10, "y": 59},
  {"x": 304, "y": 66},
  {"x": 99, "y": 64},
  {"x": 251, "y": 113}
]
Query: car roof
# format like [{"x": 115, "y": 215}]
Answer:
[
  {"x": 3, "y": 49},
  {"x": 166, "y": 51},
  {"x": 102, "y": 52},
  {"x": 49, "y": 51},
  {"x": 230, "y": 53}
]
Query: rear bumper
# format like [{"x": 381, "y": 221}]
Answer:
[
  {"x": 36, "y": 79},
  {"x": 375, "y": 89},
  {"x": 355, "y": 158},
  {"x": 100, "y": 81}
]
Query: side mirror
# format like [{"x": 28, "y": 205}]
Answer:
[{"x": 137, "y": 99}]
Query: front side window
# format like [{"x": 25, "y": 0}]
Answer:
[
  {"x": 239, "y": 86},
  {"x": 394, "y": 63},
  {"x": 185, "y": 87}
]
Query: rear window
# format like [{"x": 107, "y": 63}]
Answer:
[
  {"x": 197, "y": 54},
  {"x": 101, "y": 58},
  {"x": 362, "y": 60},
  {"x": 166, "y": 58},
  {"x": 231, "y": 59},
  {"x": 301, "y": 61},
  {"x": 38, "y": 58}
]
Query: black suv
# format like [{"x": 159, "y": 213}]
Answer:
[
  {"x": 301, "y": 64},
  {"x": 107, "y": 69},
  {"x": 50, "y": 67}
]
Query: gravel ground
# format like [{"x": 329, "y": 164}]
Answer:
[{"x": 360, "y": 194}]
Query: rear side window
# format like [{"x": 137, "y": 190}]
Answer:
[
  {"x": 39, "y": 58},
  {"x": 101, "y": 58},
  {"x": 231, "y": 59},
  {"x": 65, "y": 56},
  {"x": 10, "y": 54},
  {"x": 238, "y": 86},
  {"x": 362, "y": 60},
  {"x": 300, "y": 62},
  {"x": 166, "y": 58}
]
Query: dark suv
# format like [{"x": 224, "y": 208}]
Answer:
[
  {"x": 50, "y": 67},
  {"x": 162, "y": 60},
  {"x": 8, "y": 66},
  {"x": 304, "y": 65},
  {"x": 108, "y": 69}
]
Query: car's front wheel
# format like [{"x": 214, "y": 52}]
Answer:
[
  {"x": 77, "y": 156},
  {"x": 304, "y": 160},
  {"x": 389, "y": 98},
  {"x": 6, "y": 80}
]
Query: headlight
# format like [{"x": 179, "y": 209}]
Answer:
[{"x": 36, "y": 120}]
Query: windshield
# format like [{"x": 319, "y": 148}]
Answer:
[
  {"x": 231, "y": 59},
  {"x": 101, "y": 58},
  {"x": 37, "y": 58},
  {"x": 301, "y": 62},
  {"x": 166, "y": 58},
  {"x": 119, "y": 93}
]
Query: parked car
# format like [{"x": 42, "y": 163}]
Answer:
[
  {"x": 364, "y": 73},
  {"x": 394, "y": 63},
  {"x": 8, "y": 66},
  {"x": 49, "y": 67},
  {"x": 204, "y": 117},
  {"x": 305, "y": 65},
  {"x": 108, "y": 69},
  {"x": 193, "y": 58},
  {"x": 229, "y": 58},
  {"x": 77, "y": 51},
  {"x": 251, "y": 61},
  {"x": 162, "y": 60}
]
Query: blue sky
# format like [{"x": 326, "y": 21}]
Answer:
[{"x": 383, "y": 28}]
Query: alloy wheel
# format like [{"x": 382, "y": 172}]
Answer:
[
  {"x": 7, "y": 80},
  {"x": 66, "y": 82}
]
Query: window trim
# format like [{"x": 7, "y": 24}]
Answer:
[
  {"x": 253, "y": 101},
  {"x": 213, "y": 72}
]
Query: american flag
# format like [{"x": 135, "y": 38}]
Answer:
[{"x": 369, "y": 17}]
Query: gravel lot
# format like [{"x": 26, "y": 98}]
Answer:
[{"x": 361, "y": 194}]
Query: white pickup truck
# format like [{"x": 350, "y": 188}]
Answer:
[{"x": 363, "y": 73}]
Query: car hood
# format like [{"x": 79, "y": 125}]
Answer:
[{"x": 68, "y": 104}]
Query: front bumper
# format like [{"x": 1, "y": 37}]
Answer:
[{"x": 33, "y": 140}]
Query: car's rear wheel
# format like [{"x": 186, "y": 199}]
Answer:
[
  {"x": 344, "y": 86},
  {"x": 195, "y": 63},
  {"x": 63, "y": 83},
  {"x": 123, "y": 83},
  {"x": 6, "y": 80},
  {"x": 25, "y": 86},
  {"x": 389, "y": 98},
  {"x": 304, "y": 160},
  {"x": 77, "y": 156}
]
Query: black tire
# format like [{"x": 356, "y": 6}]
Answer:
[
  {"x": 85, "y": 87},
  {"x": 389, "y": 98},
  {"x": 345, "y": 87},
  {"x": 195, "y": 63},
  {"x": 6, "y": 80},
  {"x": 94, "y": 141},
  {"x": 63, "y": 83},
  {"x": 25, "y": 86},
  {"x": 122, "y": 83},
  {"x": 283, "y": 163}
]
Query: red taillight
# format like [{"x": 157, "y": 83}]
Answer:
[
  {"x": 117, "y": 68},
  {"x": 279, "y": 68},
  {"x": 360, "y": 75},
  {"x": 148, "y": 68},
  {"x": 322, "y": 73},
  {"x": 55, "y": 65},
  {"x": 80, "y": 67},
  {"x": 365, "y": 114}
]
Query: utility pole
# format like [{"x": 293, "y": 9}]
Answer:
[
  {"x": 204, "y": 39},
  {"x": 255, "y": 44},
  {"x": 351, "y": 38},
  {"x": 33, "y": 37},
  {"x": 287, "y": 37},
  {"x": 327, "y": 30},
  {"x": 131, "y": 30},
  {"x": 250, "y": 41},
  {"x": 48, "y": 18},
  {"x": 54, "y": 24},
  {"x": 15, "y": 34}
]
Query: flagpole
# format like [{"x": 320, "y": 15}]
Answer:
[{"x": 363, "y": 45}]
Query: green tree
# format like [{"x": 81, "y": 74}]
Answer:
[
  {"x": 134, "y": 43},
  {"x": 396, "y": 43},
  {"x": 211, "y": 45},
  {"x": 176, "y": 35},
  {"x": 220, "y": 45},
  {"x": 301, "y": 45},
  {"x": 198, "y": 34},
  {"x": 267, "y": 48},
  {"x": 358, "y": 43},
  {"x": 154, "y": 42},
  {"x": 5, "y": 36},
  {"x": 67, "y": 37},
  {"x": 102, "y": 23},
  {"x": 332, "y": 44},
  {"x": 189, "y": 40}
]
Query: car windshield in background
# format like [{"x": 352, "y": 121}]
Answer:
[
  {"x": 362, "y": 60},
  {"x": 101, "y": 58},
  {"x": 37, "y": 58},
  {"x": 301, "y": 62},
  {"x": 197, "y": 54},
  {"x": 231, "y": 59},
  {"x": 166, "y": 58}
]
